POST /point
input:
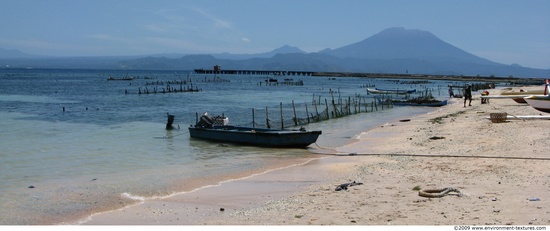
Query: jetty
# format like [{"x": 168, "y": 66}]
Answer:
[{"x": 217, "y": 70}]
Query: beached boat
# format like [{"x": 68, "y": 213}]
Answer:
[
  {"x": 521, "y": 94},
  {"x": 390, "y": 91},
  {"x": 517, "y": 96},
  {"x": 535, "y": 92},
  {"x": 526, "y": 117},
  {"x": 206, "y": 129},
  {"x": 539, "y": 102}
]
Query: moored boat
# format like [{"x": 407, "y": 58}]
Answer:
[
  {"x": 415, "y": 102},
  {"x": 207, "y": 129},
  {"x": 425, "y": 100},
  {"x": 390, "y": 91},
  {"x": 124, "y": 78}
]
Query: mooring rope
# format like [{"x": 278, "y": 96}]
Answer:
[
  {"x": 172, "y": 136},
  {"x": 430, "y": 155},
  {"x": 443, "y": 156}
]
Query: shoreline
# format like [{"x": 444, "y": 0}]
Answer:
[
  {"x": 205, "y": 202},
  {"x": 497, "y": 191}
]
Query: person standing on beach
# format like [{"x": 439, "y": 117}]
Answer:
[{"x": 468, "y": 95}]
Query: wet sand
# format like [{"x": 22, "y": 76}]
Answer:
[{"x": 501, "y": 169}]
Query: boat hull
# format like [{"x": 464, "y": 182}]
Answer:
[
  {"x": 423, "y": 104},
  {"x": 389, "y": 91},
  {"x": 520, "y": 93},
  {"x": 540, "y": 103},
  {"x": 519, "y": 100},
  {"x": 256, "y": 136}
]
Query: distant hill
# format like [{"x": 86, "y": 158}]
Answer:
[
  {"x": 394, "y": 50},
  {"x": 13, "y": 54},
  {"x": 286, "y": 49}
]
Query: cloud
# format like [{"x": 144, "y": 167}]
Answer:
[
  {"x": 155, "y": 28},
  {"x": 180, "y": 45},
  {"x": 246, "y": 40},
  {"x": 106, "y": 37}
]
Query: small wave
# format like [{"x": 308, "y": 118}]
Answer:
[
  {"x": 132, "y": 197},
  {"x": 231, "y": 180},
  {"x": 140, "y": 200}
]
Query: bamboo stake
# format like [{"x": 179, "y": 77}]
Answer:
[
  {"x": 307, "y": 113},
  {"x": 267, "y": 118},
  {"x": 253, "y": 118},
  {"x": 326, "y": 104},
  {"x": 295, "y": 118},
  {"x": 282, "y": 121},
  {"x": 316, "y": 111}
]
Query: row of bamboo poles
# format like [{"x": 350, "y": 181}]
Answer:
[
  {"x": 164, "y": 90},
  {"x": 318, "y": 110}
]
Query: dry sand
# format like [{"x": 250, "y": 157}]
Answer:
[{"x": 502, "y": 170}]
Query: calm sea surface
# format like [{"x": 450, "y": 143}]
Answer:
[{"x": 73, "y": 143}]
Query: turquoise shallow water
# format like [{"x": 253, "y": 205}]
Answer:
[{"x": 73, "y": 143}]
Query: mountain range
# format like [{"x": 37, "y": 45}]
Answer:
[{"x": 393, "y": 50}]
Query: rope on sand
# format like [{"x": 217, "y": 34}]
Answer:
[
  {"x": 437, "y": 193},
  {"x": 429, "y": 155}
]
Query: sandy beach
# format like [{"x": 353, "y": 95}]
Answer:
[{"x": 500, "y": 169}]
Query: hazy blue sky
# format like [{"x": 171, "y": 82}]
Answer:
[{"x": 505, "y": 31}]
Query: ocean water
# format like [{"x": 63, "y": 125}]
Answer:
[{"x": 73, "y": 144}]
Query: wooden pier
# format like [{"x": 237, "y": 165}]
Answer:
[{"x": 252, "y": 72}]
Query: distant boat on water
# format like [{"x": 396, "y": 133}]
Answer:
[{"x": 123, "y": 78}]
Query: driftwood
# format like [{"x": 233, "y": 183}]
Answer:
[
  {"x": 437, "y": 193},
  {"x": 346, "y": 185}
]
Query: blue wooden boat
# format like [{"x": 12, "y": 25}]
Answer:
[{"x": 206, "y": 129}]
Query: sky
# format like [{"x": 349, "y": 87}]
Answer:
[{"x": 504, "y": 31}]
